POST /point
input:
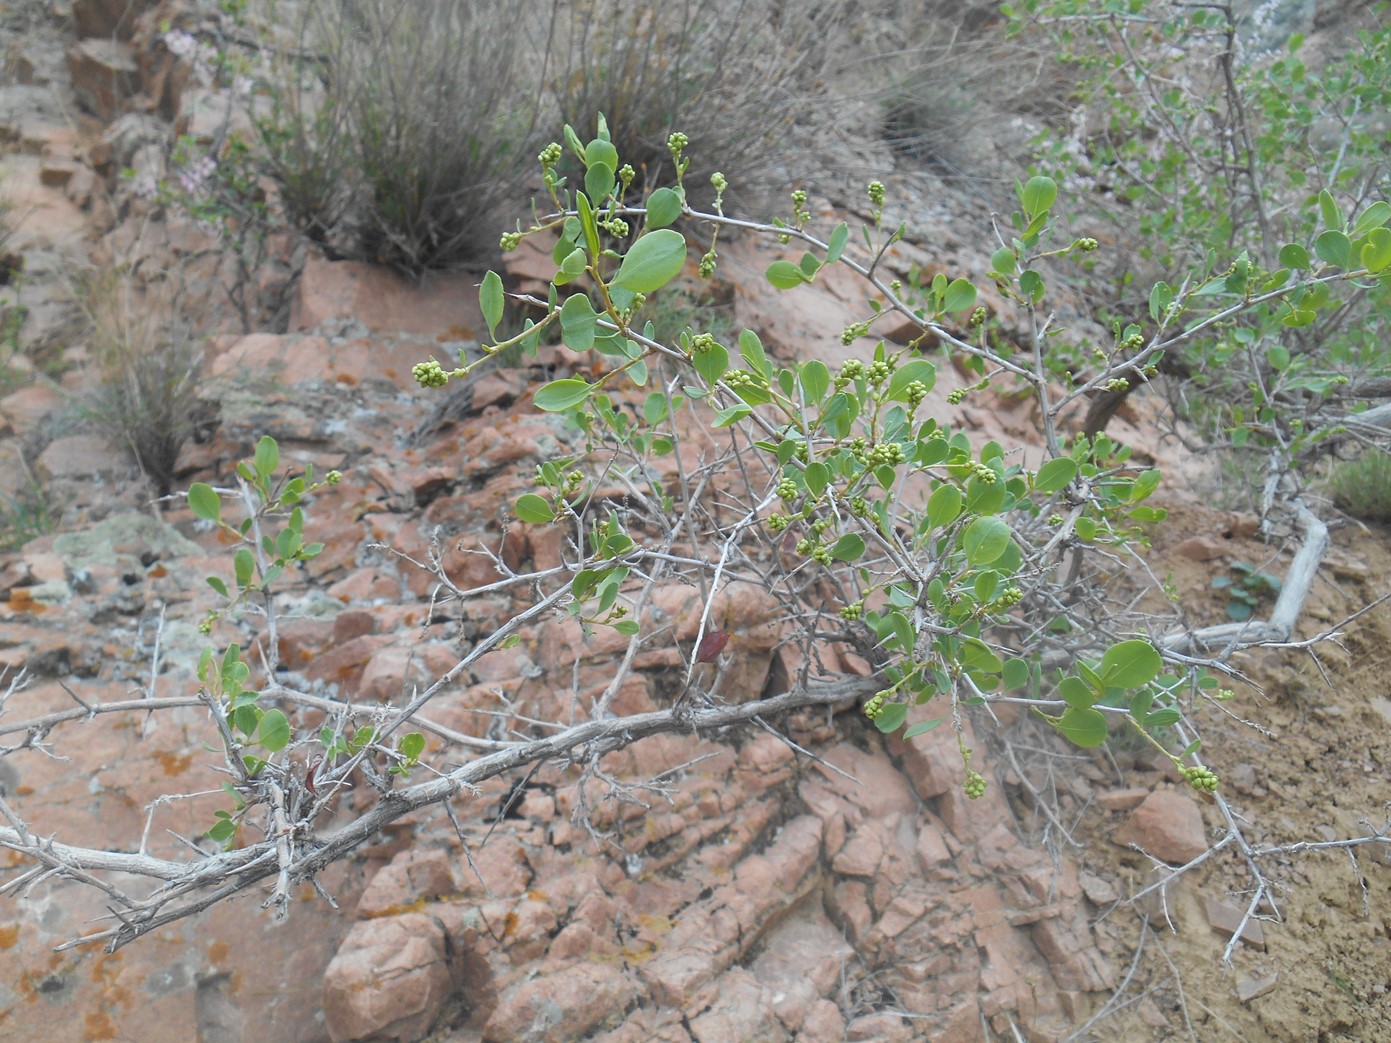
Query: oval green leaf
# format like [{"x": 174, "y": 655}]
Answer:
[
  {"x": 784, "y": 275},
  {"x": 1130, "y": 664},
  {"x": 917, "y": 369},
  {"x": 490, "y": 300},
  {"x": 1085, "y": 728},
  {"x": 274, "y": 731},
  {"x": 944, "y": 506},
  {"x": 1053, "y": 476},
  {"x": 533, "y": 509},
  {"x": 960, "y": 296},
  {"x": 203, "y": 502},
  {"x": 849, "y": 547},
  {"x": 653, "y": 261},
  {"x": 560, "y": 395},
  {"x": 663, "y": 208},
  {"x": 985, "y": 539}
]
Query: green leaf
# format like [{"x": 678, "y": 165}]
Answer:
[
  {"x": 849, "y": 547},
  {"x": 490, "y": 300},
  {"x": 218, "y": 585},
  {"x": 1278, "y": 356},
  {"x": 652, "y": 262},
  {"x": 921, "y": 727},
  {"x": 1375, "y": 216},
  {"x": 578, "y": 322},
  {"x": 1376, "y": 251},
  {"x": 1038, "y": 195},
  {"x": 817, "y": 476},
  {"x": 626, "y": 626},
  {"x": 1085, "y": 728},
  {"x": 244, "y": 565},
  {"x": 712, "y": 363},
  {"x": 1004, "y": 261},
  {"x": 601, "y": 150},
  {"x": 274, "y": 731},
  {"x": 731, "y": 414},
  {"x": 835, "y": 246},
  {"x": 784, "y": 275},
  {"x": 560, "y": 395},
  {"x": 533, "y": 510},
  {"x": 944, "y": 506},
  {"x": 587, "y": 223},
  {"x": 663, "y": 208},
  {"x": 891, "y": 717},
  {"x": 1015, "y": 674},
  {"x": 412, "y": 746},
  {"x": 267, "y": 456},
  {"x": 203, "y": 502},
  {"x": 1075, "y": 692},
  {"x": 1163, "y": 718},
  {"x": 815, "y": 379},
  {"x": 1292, "y": 255},
  {"x": 960, "y": 296},
  {"x": 984, "y": 540},
  {"x": 1332, "y": 216},
  {"x": 1335, "y": 248},
  {"x": 599, "y": 182},
  {"x": 916, "y": 369},
  {"x": 1130, "y": 664},
  {"x": 751, "y": 348},
  {"x": 1054, "y": 476}
]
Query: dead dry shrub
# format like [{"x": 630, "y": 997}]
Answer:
[
  {"x": 732, "y": 75},
  {"x": 395, "y": 129},
  {"x": 147, "y": 345}
]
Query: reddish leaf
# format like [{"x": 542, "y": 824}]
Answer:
[{"x": 711, "y": 645}]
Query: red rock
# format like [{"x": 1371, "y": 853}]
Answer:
[
  {"x": 1200, "y": 548},
  {"x": 566, "y": 1005},
  {"x": 1168, "y": 826},
  {"x": 411, "y": 877},
  {"x": 1122, "y": 799},
  {"x": 802, "y": 961},
  {"x": 441, "y": 303},
  {"x": 108, "y": 18},
  {"x": 79, "y": 456},
  {"x": 823, "y": 1023},
  {"x": 103, "y": 73},
  {"x": 741, "y": 1009},
  {"x": 389, "y": 979},
  {"x": 351, "y": 623},
  {"x": 343, "y": 664}
]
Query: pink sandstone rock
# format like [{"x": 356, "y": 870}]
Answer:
[
  {"x": 388, "y": 980},
  {"x": 1168, "y": 825}
]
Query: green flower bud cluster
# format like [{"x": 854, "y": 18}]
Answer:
[
  {"x": 626, "y": 173},
  {"x": 859, "y": 506},
  {"x": 742, "y": 378},
  {"x": 985, "y": 474},
  {"x": 878, "y": 371},
  {"x": 617, "y": 227},
  {"x": 1118, "y": 384},
  {"x": 799, "y": 199},
  {"x": 820, "y": 526},
  {"x": 333, "y": 477},
  {"x": 876, "y": 192},
  {"x": 979, "y": 316},
  {"x": 676, "y": 143},
  {"x": 886, "y": 453},
  {"x": 875, "y": 706},
  {"x": 707, "y": 264},
  {"x": 510, "y": 241},
  {"x": 787, "y": 489},
  {"x": 777, "y": 522},
  {"x": 1200, "y": 778},
  {"x": 1098, "y": 355},
  {"x": 956, "y": 396},
  {"x": 429, "y": 374},
  {"x": 1009, "y": 597},
  {"x": 975, "y": 784},
  {"x": 701, "y": 343},
  {"x": 850, "y": 371},
  {"x": 1223, "y": 695},
  {"x": 719, "y": 181},
  {"x": 205, "y": 625},
  {"x": 1087, "y": 244},
  {"x": 853, "y": 332},
  {"x": 852, "y": 612},
  {"x": 915, "y": 392},
  {"x": 1134, "y": 342},
  {"x": 1055, "y": 519},
  {"x": 804, "y": 546},
  {"x": 550, "y": 155},
  {"x": 821, "y": 556}
]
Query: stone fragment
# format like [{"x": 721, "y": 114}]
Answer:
[
  {"x": 1200, "y": 548},
  {"x": 103, "y": 73},
  {"x": 1097, "y": 889},
  {"x": 108, "y": 18},
  {"x": 441, "y": 304},
  {"x": 1122, "y": 799},
  {"x": 1168, "y": 826},
  {"x": 411, "y": 877},
  {"x": 1253, "y": 987},
  {"x": 388, "y": 980},
  {"x": 1224, "y": 917}
]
